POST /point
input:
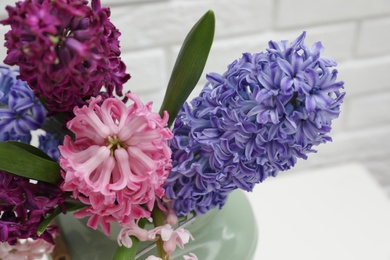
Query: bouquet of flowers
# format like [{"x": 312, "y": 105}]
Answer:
[{"x": 106, "y": 156}]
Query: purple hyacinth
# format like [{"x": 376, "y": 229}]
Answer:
[
  {"x": 264, "y": 112},
  {"x": 49, "y": 144},
  {"x": 20, "y": 110},
  {"x": 23, "y": 206},
  {"x": 66, "y": 50}
]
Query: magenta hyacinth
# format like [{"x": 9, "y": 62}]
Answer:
[
  {"x": 66, "y": 50},
  {"x": 118, "y": 161},
  {"x": 24, "y": 204}
]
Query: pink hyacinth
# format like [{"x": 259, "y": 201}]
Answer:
[
  {"x": 132, "y": 229},
  {"x": 171, "y": 237},
  {"x": 118, "y": 161}
]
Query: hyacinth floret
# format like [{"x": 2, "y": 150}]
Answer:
[
  {"x": 266, "y": 111},
  {"x": 49, "y": 144},
  {"x": 20, "y": 111},
  {"x": 66, "y": 50},
  {"x": 24, "y": 204},
  {"x": 26, "y": 249},
  {"x": 118, "y": 161}
]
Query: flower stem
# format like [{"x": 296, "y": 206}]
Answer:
[
  {"x": 159, "y": 220},
  {"x": 124, "y": 253}
]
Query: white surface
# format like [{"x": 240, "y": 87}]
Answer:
[{"x": 337, "y": 213}]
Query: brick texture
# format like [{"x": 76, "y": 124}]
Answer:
[
  {"x": 168, "y": 22},
  {"x": 307, "y": 12},
  {"x": 365, "y": 76},
  {"x": 374, "y": 37},
  {"x": 368, "y": 111}
]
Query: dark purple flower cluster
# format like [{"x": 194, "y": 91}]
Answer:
[
  {"x": 23, "y": 205},
  {"x": 65, "y": 50},
  {"x": 20, "y": 110},
  {"x": 264, "y": 112}
]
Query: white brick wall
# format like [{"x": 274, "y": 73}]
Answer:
[
  {"x": 307, "y": 12},
  {"x": 373, "y": 37},
  {"x": 354, "y": 32}
]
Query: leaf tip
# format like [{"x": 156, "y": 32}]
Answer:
[{"x": 209, "y": 15}]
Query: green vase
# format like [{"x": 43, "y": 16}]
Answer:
[{"x": 230, "y": 233}]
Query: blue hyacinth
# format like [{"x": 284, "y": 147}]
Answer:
[
  {"x": 20, "y": 110},
  {"x": 49, "y": 144},
  {"x": 264, "y": 112}
]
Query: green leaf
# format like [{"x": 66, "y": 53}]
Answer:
[
  {"x": 124, "y": 253},
  {"x": 27, "y": 161},
  {"x": 57, "y": 211},
  {"x": 189, "y": 65},
  {"x": 159, "y": 220},
  {"x": 31, "y": 149}
]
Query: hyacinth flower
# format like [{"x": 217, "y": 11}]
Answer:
[
  {"x": 117, "y": 158},
  {"x": 266, "y": 111},
  {"x": 118, "y": 161},
  {"x": 26, "y": 249},
  {"x": 49, "y": 143},
  {"x": 191, "y": 256},
  {"x": 171, "y": 236},
  {"x": 20, "y": 111},
  {"x": 66, "y": 50},
  {"x": 23, "y": 206}
]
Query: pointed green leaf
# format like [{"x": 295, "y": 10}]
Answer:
[
  {"x": 124, "y": 253},
  {"x": 31, "y": 149},
  {"x": 26, "y": 161},
  {"x": 189, "y": 65}
]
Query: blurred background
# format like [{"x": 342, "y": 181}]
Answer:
[{"x": 355, "y": 33}]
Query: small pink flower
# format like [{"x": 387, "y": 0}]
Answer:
[
  {"x": 185, "y": 257},
  {"x": 171, "y": 237},
  {"x": 131, "y": 229},
  {"x": 192, "y": 256},
  {"x": 118, "y": 161},
  {"x": 26, "y": 249},
  {"x": 170, "y": 215}
]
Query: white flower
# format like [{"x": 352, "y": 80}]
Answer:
[{"x": 152, "y": 257}]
